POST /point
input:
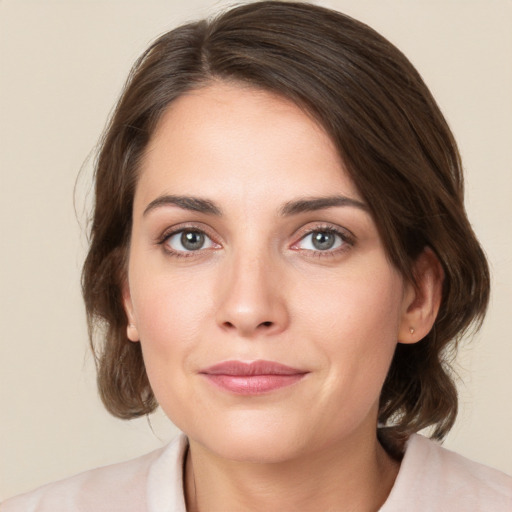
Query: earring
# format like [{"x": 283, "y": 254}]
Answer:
[
  {"x": 411, "y": 330},
  {"x": 131, "y": 326}
]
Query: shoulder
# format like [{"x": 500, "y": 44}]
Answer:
[
  {"x": 118, "y": 487},
  {"x": 437, "y": 479}
]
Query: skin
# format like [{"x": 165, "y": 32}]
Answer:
[{"x": 260, "y": 289}]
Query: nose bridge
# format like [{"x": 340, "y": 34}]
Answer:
[{"x": 251, "y": 300}]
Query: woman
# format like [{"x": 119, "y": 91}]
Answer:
[{"x": 280, "y": 258}]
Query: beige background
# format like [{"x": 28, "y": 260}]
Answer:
[{"x": 62, "y": 64}]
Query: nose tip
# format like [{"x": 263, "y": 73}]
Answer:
[{"x": 251, "y": 302}]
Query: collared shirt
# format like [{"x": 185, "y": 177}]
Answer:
[{"x": 431, "y": 479}]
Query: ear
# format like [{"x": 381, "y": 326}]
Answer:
[
  {"x": 422, "y": 299},
  {"x": 131, "y": 329}
]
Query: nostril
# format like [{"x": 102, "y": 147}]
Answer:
[{"x": 266, "y": 324}]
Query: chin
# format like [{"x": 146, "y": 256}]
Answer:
[{"x": 264, "y": 442}]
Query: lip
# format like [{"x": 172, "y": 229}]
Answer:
[{"x": 252, "y": 378}]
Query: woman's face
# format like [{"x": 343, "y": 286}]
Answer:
[{"x": 250, "y": 243}]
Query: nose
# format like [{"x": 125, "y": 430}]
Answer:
[{"x": 252, "y": 299}]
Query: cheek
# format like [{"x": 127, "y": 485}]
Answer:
[
  {"x": 355, "y": 324},
  {"x": 170, "y": 310},
  {"x": 170, "y": 316},
  {"x": 365, "y": 302},
  {"x": 165, "y": 300},
  {"x": 166, "y": 312}
]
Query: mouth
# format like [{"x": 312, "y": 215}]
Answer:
[{"x": 254, "y": 378}]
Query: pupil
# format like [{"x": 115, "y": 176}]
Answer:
[
  {"x": 192, "y": 240},
  {"x": 323, "y": 240}
]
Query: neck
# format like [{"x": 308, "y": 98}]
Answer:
[{"x": 346, "y": 477}]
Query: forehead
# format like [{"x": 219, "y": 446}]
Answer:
[{"x": 234, "y": 138}]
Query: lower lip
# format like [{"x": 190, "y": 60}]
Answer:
[{"x": 253, "y": 384}]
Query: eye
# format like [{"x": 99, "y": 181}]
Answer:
[
  {"x": 321, "y": 240},
  {"x": 188, "y": 240}
]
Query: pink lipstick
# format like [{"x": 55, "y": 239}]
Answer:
[{"x": 252, "y": 378}]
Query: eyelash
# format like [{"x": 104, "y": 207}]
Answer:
[
  {"x": 347, "y": 239},
  {"x": 167, "y": 235}
]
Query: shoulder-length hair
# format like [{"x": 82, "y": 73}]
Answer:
[{"x": 392, "y": 138}]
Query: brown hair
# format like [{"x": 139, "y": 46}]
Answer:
[{"x": 395, "y": 144}]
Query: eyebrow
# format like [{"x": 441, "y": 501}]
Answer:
[
  {"x": 194, "y": 204},
  {"x": 319, "y": 203},
  {"x": 295, "y": 207}
]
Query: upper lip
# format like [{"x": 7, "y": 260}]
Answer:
[{"x": 247, "y": 369}]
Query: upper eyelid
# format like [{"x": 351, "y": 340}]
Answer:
[
  {"x": 187, "y": 226},
  {"x": 324, "y": 226}
]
